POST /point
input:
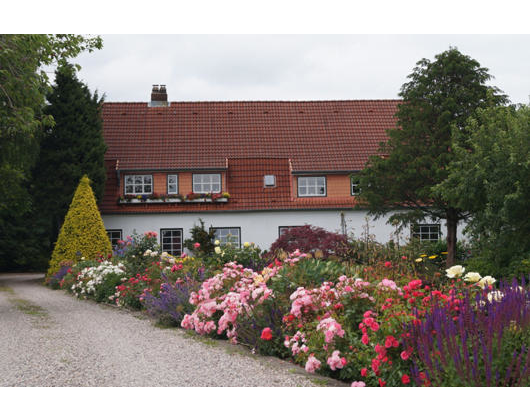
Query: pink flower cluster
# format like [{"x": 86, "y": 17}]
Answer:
[
  {"x": 306, "y": 301},
  {"x": 235, "y": 291},
  {"x": 387, "y": 284},
  {"x": 297, "y": 343},
  {"x": 331, "y": 328},
  {"x": 335, "y": 361},
  {"x": 294, "y": 257},
  {"x": 312, "y": 364}
]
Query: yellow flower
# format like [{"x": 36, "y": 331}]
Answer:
[
  {"x": 444, "y": 253},
  {"x": 258, "y": 279},
  {"x": 432, "y": 257},
  {"x": 418, "y": 259},
  {"x": 217, "y": 250},
  {"x": 246, "y": 244},
  {"x": 217, "y": 242},
  {"x": 423, "y": 255}
]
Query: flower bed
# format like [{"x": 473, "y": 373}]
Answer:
[{"x": 365, "y": 325}]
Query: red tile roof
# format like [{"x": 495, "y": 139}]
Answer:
[
  {"x": 315, "y": 135},
  {"x": 249, "y": 140}
]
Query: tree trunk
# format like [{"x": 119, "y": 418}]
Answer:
[{"x": 452, "y": 222}]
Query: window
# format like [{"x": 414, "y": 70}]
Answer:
[
  {"x": 205, "y": 183},
  {"x": 283, "y": 229},
  {"x": 269, "y": 181},
  {"x": 115, "y": 235},
  {"x": 138, "y": 184},
  {"x": 172, "y": 184},
  {"x": 309, "y": 186},
  {"x": 171, "y": 241},
  {"x": 227, "y": 235},
  {"x": 355, "y": 189},
  {"x": 426, "y": 232}
]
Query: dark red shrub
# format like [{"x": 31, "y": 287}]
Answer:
[{"x": 311, "y": 239}]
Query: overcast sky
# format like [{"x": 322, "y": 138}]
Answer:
[{"x": 289, "y": 67}]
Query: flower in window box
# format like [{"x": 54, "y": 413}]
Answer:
[
  {"x": 216, "y": 196},
  {"x": 192, "y": 196},
  {"x": 225, "y": 195}
]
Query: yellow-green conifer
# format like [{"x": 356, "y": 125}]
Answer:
[{"x": 83, "y": 233}]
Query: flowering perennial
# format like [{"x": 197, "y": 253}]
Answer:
[
  {"x": 90, "y": 277},
  {"x": 235, "y": 291}
]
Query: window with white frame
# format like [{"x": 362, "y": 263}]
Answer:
[
  {"x": 269, "y": 181},
  {"x": 355, "y": 185},
  {"x": 311, "y": 186},
  {"x": 115, "y": 235},
  {"x": 226, "y": 235},
  {"x": 138, "y": 184},
  {"x": 206, "y": 183},
  {"x": 426, "y": 232},
  {"x": 171, "y": 241},
  {"x": 173, "y": 184}
]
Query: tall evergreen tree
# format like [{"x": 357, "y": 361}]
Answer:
[
  {"x": 23, "y": 87},
  {"x": 72, "y": 148},
  {"x": 439, "y": 96}
]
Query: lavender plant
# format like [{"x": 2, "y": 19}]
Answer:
[
  {"x": 172, "y": 302},
  {"x": 486, "y": 343}
]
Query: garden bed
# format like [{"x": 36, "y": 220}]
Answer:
[{"x": 365, "y": 325}]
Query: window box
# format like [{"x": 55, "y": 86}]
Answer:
[
  {"x": 160, "y": 199},
  {"x": 149, "y": 198},
  {"x": 194, "y": 197}
]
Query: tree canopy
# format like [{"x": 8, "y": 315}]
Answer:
[
  {"x": 74, "y": 146},
  {"x": 23, "y": 87},
  {"x": 489, "y": 177},
  {"x": 439, "y": 96},
  {"x": 24, "y": 84}
]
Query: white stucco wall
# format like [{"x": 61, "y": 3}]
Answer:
[{"x": 258, "y": 227}]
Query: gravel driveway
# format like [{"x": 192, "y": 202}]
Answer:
[{"x": 49, "y": 338}]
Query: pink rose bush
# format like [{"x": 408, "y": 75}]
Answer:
[{"x": 234, "y": 292}]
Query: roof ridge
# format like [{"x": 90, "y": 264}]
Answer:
[{"x": 262, "y": 101}]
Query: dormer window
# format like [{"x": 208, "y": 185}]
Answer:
[
  {"x": 206, "y": 183},
  {"x": 138, "y": 184},
  {"x": 269, "y": 181},
  {"x": 311, "y": 186}
]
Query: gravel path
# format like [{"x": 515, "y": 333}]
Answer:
[{"x": 49, "y": 338}]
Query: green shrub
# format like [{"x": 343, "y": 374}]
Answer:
[
  {"x": 82, "y": 234},
  {"x": 199, "y": 235}
]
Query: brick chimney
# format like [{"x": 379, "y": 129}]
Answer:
[{"x": 158, "y": 96}]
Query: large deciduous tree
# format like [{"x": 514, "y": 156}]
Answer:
[
  {"x": 439, "y": 95},
  {"x": 490, "y": 178}
]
